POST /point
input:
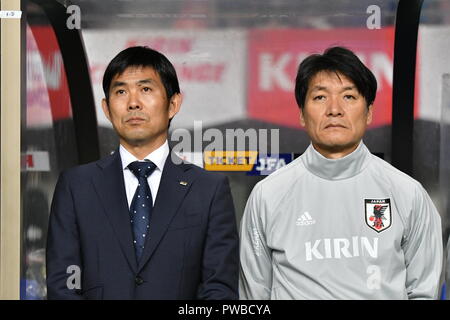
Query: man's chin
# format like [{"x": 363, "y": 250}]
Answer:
[
  {"x": 338, "y": 146},
  {"x": 137, "y": 140}
]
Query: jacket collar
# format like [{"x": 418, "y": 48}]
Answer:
[{"x": 336, "y": 169}]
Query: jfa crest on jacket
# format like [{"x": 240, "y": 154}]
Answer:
[{"x": 378, "y": 214}]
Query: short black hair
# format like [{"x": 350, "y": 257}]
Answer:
[
  {"x": 141, "y": 56},
  {"x": 340, "y": 61}
]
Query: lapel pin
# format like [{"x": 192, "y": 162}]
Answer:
[{"x": 183, "y": 183}]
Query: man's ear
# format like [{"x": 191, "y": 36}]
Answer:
[
  {"x": 175, "y": 104},
  {"x": 106, "y": 109},
  {"x": 302, "y": 118},
  {"x": 369, "y": 114}
]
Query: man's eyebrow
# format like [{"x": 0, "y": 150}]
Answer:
[
  {"x": 318, "y": 88},
  {"x": 149, "y": 80},
  {"x": 116, "y": 84},
  {"x": 349, "y": 88}
]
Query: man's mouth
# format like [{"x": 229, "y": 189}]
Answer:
[
  {"x": 334, "y": 125},
  {"x": 135, "y": 120}
]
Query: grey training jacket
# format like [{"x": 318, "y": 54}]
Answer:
[{"x": 351, "y": 228}]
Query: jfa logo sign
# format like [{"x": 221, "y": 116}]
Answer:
[{"x": 270, "y": 163}]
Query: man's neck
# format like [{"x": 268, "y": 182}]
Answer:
[
  {"x": 141, "y": 151},
  {"x": 335, "y": 153}
]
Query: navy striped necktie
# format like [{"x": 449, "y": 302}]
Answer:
[{"x": 142, "y": 204}]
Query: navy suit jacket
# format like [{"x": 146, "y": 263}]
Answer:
[{"x": 192, "y": 245}]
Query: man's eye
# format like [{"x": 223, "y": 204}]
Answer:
[
  {"x": 120, "y": 91},
  {"x": 147, "y": 89},
  {"x": 318, "y": 98},
  {"x": 349, "y": 97}
]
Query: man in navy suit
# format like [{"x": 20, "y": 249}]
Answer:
[{"x": 187, "y": 247}]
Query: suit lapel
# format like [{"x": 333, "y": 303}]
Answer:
[
  {"x": 110, "y": 187},
  {"x": 169, "y": 198}
]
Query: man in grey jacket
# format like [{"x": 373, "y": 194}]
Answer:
[{"x": 339, "y": 222}]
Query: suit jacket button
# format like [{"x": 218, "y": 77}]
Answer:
[{"x": 138, "y": 280}]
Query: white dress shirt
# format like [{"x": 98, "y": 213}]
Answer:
[{"x": 158, "y": 157}]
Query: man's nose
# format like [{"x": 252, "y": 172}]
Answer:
[
  {"x": 133, "y": 102},
  {"x": 334, "y": 107}
]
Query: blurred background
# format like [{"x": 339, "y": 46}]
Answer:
[{"x": 236, "y": 62}]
